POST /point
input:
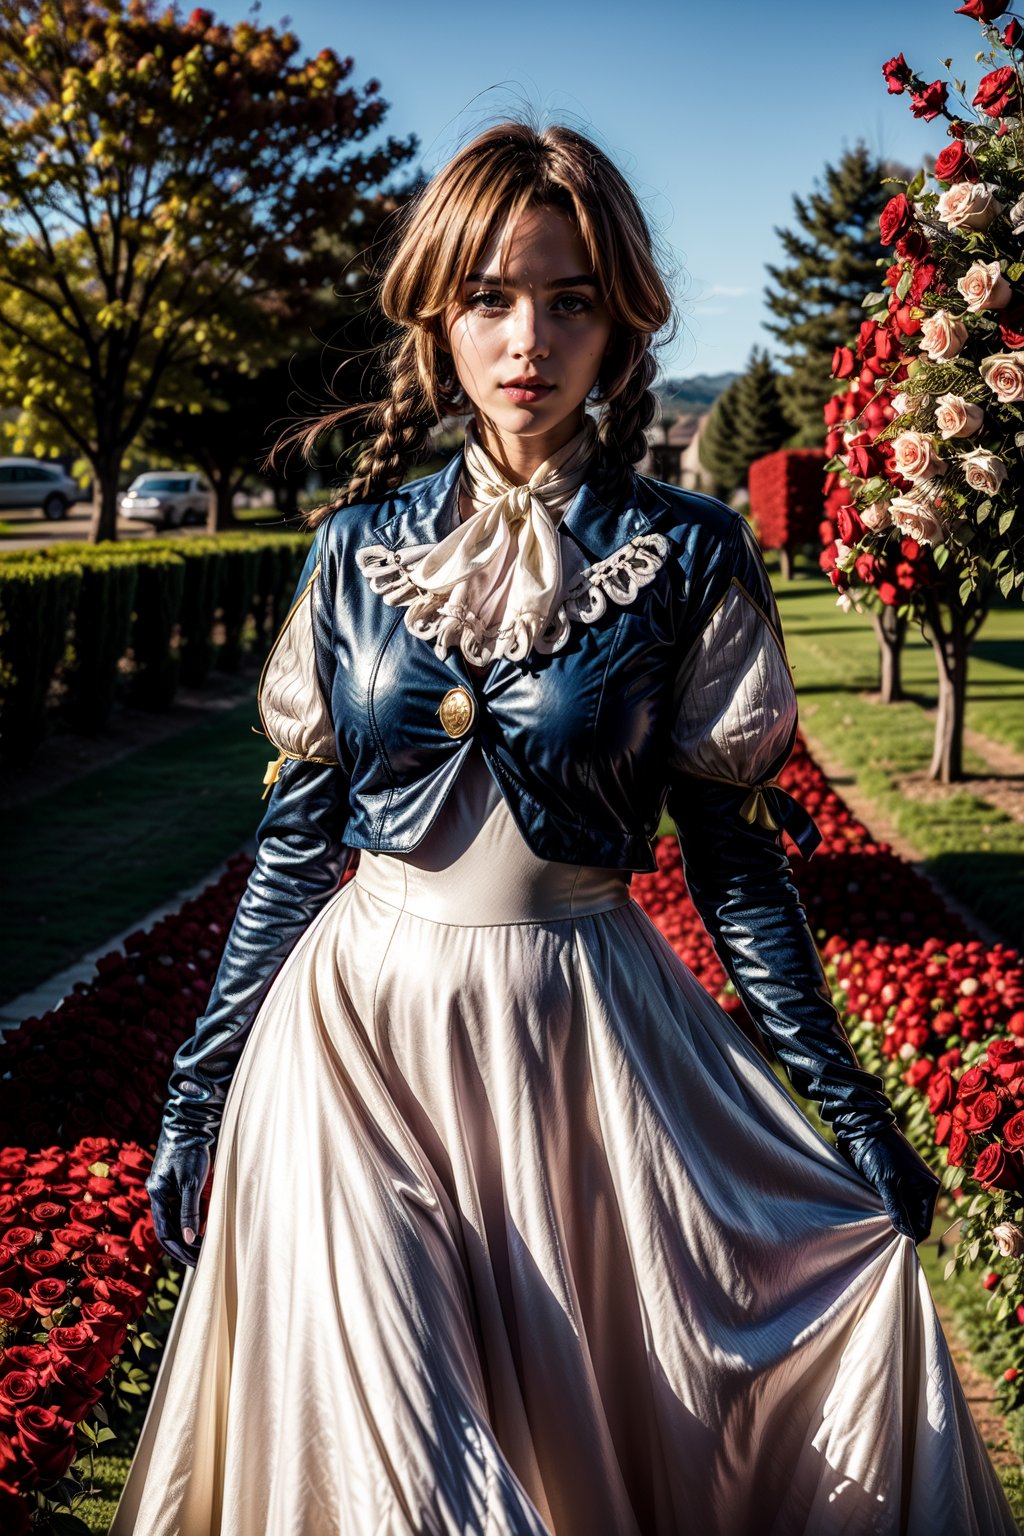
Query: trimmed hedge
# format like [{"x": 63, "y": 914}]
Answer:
[
  {"x": 75, "y": 618},
  {"x": 37, "y": 605}
]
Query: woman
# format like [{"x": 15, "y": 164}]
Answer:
[{"x": 511, "y": 1229}]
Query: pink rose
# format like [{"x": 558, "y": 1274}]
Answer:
[
  {"x": 916, "y": 518},
  {"x": 915, "y": 458},
  {"x": 942, "y": 336},
  {"x": 957, "y": 417},
  {"x": 968, "y": 205},
  {"x": 984, "y": 286},
  {"x": 1004, "y": 375},
  {"x": 984, "y": 471}
]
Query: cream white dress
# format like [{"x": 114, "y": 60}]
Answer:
[{"x": 514, "y": 1233}]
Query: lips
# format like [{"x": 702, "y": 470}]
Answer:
[{"x": 524, "y": 390}]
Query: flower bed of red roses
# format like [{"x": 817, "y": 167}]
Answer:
[{"x": 77, "y": 1257}]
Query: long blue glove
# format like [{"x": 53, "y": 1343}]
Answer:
[
  {"x": 740, "y": 881},
  {"x": 299, "y": 865}
]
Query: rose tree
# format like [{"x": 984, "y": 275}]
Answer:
[
  {"x": 151, "y": 168},
  {"x": 938, "y": 478}
]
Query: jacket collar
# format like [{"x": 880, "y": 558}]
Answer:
[{"x": 426, "y": 511}]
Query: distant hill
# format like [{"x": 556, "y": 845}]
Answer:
[{"x": 696, "y": 394}]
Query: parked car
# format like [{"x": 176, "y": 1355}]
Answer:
[
  {"x": 35, "y": 483},
  {"x": 169, "y": 497}
]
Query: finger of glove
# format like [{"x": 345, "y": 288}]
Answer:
[
  {"x": 895, "y": 1211},
  {"x": 170, "y": 1241},
  {"x": 190, "y": 1208}
]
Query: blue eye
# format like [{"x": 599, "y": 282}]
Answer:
[{"x": 475, "y": 299}]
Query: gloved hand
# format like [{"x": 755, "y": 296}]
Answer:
[
  {"x": 907, "y": 1185},
  {"x": 175, "y": 1183},
  {"x": 740, "y": 881},
  {"x": 300, "y": 861}
]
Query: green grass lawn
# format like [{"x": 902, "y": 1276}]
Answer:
[
  {"x": 93, "y": 857},
  {"x": 974, "y": 848}
]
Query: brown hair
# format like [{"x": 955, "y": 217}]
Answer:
[{"x": 481, "y": 192}]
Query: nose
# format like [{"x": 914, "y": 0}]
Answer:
[{"x": 529, "y": 337}]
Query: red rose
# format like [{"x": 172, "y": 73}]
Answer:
[
  {"x": 108, "y": 1324},
  {"x": 1013, "y": 1131},
  {"x": 47, "y": 1440},
  {"x": 984, "y": 1108},
  {"x": 47, "y": 1213},
  {"x": 1011, "y": 325},
  {"x": 26, "y": 1357},
  {"x": 930, "y": 101},
  {"x": 19, "y": 1238},
  {"x": 45, "y": 1294},
  {"x": 913, "y": 244},
  {"x": 940, "y": 1092},
  {"x": 16, "y": 1389},
  {"x": 959, "y": 1141},
  {"x": 943, "y": 1126},
  {"x": 866, "y": 567},
  {"x": 894, "y": 220},
  {"x": 42, "y": 1261},
  {"x": 863, "y": 458},
  {"x": 994, "y": 1168},
  {"x": 905, "y": 321},
  {"x": 975, "y": 1080},
  {"x": 956, "y": 163},
  {"x": 996, "y": 91},
  {"x": 843, "y": 363},
  {"x": 13, "y": 1307},
  {"x": 74, "y": 1391},
  {"x": 982, "y": 10},
  {"x": 898, "y": 74},
  {"x": 924, "y": 276},
  {"x": 1012, "y": 34},
  {"x": 850, "y": 526},
  {"x": 78, "y": 1343}
]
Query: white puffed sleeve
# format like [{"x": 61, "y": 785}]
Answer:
[
  {"x": 735, "y": 699},
  {"x": 293, "y": 710}
]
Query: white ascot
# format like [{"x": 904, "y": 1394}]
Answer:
[{"x": 496, "y": 585}]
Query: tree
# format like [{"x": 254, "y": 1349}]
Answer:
[
  {"x": 761, "y": 424},
  {"x": 151, "y": 169},
  {"x": 816, "y": 297},
  {"x": 320, "y": 318},
  {"x": 717, "y": 446}
]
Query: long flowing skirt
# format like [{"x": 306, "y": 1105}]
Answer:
[{"x": 514, "y": 1233}]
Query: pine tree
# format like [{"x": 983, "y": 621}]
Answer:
[
  {"x": 717, "y": 446},
  {"x": 817, "y": 296},
  {"x": 761, "y": 424}
]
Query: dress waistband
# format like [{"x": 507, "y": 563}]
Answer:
[{"x": 493, "y": 894}]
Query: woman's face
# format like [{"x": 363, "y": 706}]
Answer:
[{"x": 543, "y": 327}]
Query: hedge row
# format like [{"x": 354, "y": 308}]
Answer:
[{"x": 80, "y": 623}]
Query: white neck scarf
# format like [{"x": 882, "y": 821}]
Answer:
[{"x": 490, "y": 584}]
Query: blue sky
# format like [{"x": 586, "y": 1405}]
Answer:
[{"x": 717, "y": 114}]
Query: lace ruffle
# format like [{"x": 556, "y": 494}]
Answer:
[{"x": 432, "y": 616}]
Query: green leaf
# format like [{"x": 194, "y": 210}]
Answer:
[
  {"x": 1015, "y": 273},
  {"x": 966, "y": 588},
  {"x": 903, "y": 286},
  {"x": 950, "y": 1270},
  {"x": 940, "y": 554},
  {"x": 872, "y": 298},
  {"x": 916, "y": 186},
  {"x": 1005, "y": 519},
  {"x": 983, "y": 510},
  {"x": 105, "y": 1434},
  {"x": 1006, "y": 583}
]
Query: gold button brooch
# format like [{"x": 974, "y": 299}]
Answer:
[{"x": 457, "y": 710}]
